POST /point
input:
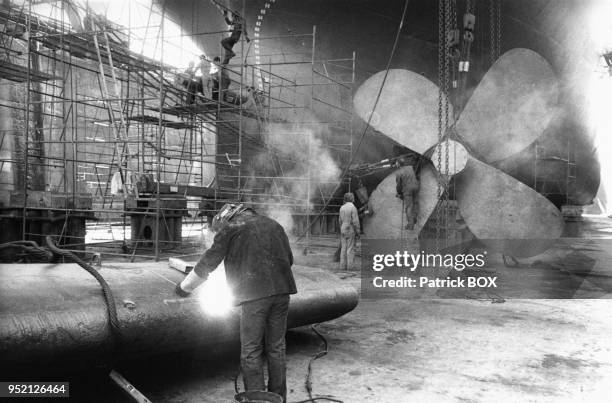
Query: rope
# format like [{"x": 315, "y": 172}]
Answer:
[
  {"x": 106, "y": 290},
  {"x": 365, "y": 130}
]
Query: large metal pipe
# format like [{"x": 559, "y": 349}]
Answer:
[{"x": 53, "y": 315}]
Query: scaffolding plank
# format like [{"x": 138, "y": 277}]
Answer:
[
  {"x": 153, "y": 120},
  {"x": 18, "y": 73}
]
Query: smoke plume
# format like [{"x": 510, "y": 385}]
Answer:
[{"x": 302, "y": 169}]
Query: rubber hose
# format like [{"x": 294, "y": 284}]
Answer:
[{"x": 106, "y": 290}]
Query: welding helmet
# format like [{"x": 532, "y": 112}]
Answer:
[{"x": 227, "y": 212}]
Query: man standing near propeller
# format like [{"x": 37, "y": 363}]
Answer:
[
  {"x": 407, "y": 187},
  {"x": 349, "y": 231}
]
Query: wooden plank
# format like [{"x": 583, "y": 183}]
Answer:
[{"x": 15, "y": 72}]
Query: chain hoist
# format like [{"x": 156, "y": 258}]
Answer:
[
  {"x": 468, "y": 20},
  {"x": 454, "y": 39}
]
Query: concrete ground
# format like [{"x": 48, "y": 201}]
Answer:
[{"x": 465, "y": 349}]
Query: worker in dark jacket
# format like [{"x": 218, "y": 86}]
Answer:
[
  {"x": 236, "y": 24},
  {"x": 258, "y": 263}
]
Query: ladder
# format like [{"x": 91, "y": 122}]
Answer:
[{"x": 113, "y": 103}]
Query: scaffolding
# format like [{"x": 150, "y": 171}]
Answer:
[{"x": 100, "y": 147}]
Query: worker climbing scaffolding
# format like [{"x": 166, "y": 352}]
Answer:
[{"x": 236, "y": 25}]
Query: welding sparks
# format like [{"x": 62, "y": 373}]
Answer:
[{"x": 215, "y": 296}]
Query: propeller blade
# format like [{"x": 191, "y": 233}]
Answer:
[
  {"x": 511, "y": 106},
  {"x": 505, "y": 214},
  {"x": 407, "y": 110},
  {"x": 389, "y": 220}
]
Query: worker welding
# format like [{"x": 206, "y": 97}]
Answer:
[{"x": 258, "y": 262}]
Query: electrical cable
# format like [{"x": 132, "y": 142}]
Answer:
[
  {"x": 308, "y": 382},
  {"x": 315, "y": 357},
  {"x": 309, "y": 374},
  {"x": 365, "y": 130},
  {"x": 106, "y": 290}
]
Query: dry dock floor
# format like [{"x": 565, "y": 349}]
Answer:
[{"x": 468, "y": 348}]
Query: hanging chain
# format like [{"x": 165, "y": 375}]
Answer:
[
  {"x": 492, "y": 35},
  {"x": 445, "y": 11},
  {"x": 498, "y": 29},
  {"x": 448, "y": 26},
  {"x": 441, "y": 57},
  {"x": 495, "y": 29}
]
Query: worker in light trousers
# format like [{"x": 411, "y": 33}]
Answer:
[{"x": 349, "y": 231}]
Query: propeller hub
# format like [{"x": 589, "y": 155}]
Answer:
[{"x": 449, "y": 157}]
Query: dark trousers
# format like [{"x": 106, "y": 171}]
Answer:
[
  {"x": 263, "y": 324},
  {"x": 228, "y": 44},
  {"x": 215, "y": 89},
  {"x": 411, "y": 206},
  {"x": 193, "y": 87},
  {"x": 225, "y": 83}
]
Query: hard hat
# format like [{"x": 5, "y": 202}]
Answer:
[{"x": 227, "y": 212}]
